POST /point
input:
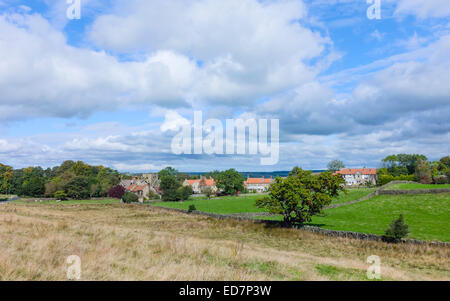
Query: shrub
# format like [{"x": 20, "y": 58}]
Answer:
[
  {"x": 440, "y": 180},
  {"x": 398, "y": 229},
  {"x": 384, "y": 179},
  {"x": 130, "y": 197},
  {"x": 184, "y": 192},
  {"x": 60, "y": 195},
  {"x": 117, "y": 192},
  {"x": 192, "y": 208}
]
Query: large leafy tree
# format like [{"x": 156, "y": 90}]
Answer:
[
  {"x": 170, "y": 185},
  {"x": 423, "y": 172},
  {"x": 301, "y": 195},
  {"x": 335, "y": 165},
  {"x": 78, "y": 188},
  {"x": 402, "y": 164},
  {"x": 230, "y": 181}
]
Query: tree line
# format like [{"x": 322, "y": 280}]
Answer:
[
  {"x": 229, "y": 182},
  {"x": 414, "y": 167},
  {"x": 76, "y": 180},
  {"x": 408, "y": 167}
]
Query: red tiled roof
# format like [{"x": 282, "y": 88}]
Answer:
[
  {"x": 258, "y": 181},
  {"x": 363, "y": 171},
  {"x": 206, "y": 182},
  {"x": 138, "y": 188}
]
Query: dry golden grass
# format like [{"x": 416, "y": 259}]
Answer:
[{"x": 125, "y": 242}]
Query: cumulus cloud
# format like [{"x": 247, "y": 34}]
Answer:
[
  {"x": 44, "y": 77},
  {"x": 191, "y": 54},
  {"x": 423, "y": 8},
  {"x": 246, "y": 49}
]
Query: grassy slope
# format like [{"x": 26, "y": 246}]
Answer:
[
  {"x": 131, "y": 242},
  {"x": 418, "y": 186},
  {"x": 428, "y": 216},
  {"x": 230, "y": 204},
  {"x": 351, "y": 195}
]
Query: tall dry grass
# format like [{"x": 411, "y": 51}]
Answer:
[{"x": 123, "y": 242}]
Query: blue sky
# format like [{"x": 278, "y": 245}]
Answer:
[{"x": 101, "y": 88}]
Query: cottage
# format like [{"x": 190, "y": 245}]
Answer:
[
  {"x": 359, "y": 176},
  {"x": 199, "y": 185},
  {"x": 141, "y": 187},
  {"x": 258, "y": 184}
]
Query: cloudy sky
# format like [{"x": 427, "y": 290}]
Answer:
[{"x": 109, "y": 88}]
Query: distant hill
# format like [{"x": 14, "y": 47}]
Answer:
[{"x": 257, "y": 174}]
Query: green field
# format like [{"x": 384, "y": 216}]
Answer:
[
  {"x": 351, "y": 195},
  {"x": 246, "y": 203},
  {"x": 418, "y": 186},
  {"x": 428, "y": 215}
]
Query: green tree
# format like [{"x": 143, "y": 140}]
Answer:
[
  {"x": 184, "y": 192},
  {"x": 60, "y": 195},
  {"x": 169, "y": 185},
  {"x": 230, "y": 181},
  {"x": 168, "y": 171},
  {"x": 398, "y": 229},
  {"x": 423, "y": 172},
  {"x": 78, "y": 188},
  {"x": 130, "y": 197},
  {"x": 301, "y": 195},
  {"x": 335, "y": 165},
  {"x": 445, "y": 161},
  {"x": 402, "y": 164}
]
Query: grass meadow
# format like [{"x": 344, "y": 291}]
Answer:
[
  {"x": 407, "y": 186},
  {"x": 428, "y": 215},
  {"x": 135, "y": 242},
  {"x": 246, "y": 204}
]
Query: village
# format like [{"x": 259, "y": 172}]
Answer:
[{"x": 146, "y": 187}]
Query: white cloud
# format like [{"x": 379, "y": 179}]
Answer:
[
  {"x": 173, "y": 122},
  {"x": 424, "y": 8},
  {"x": 144, "y": 167},
  {"x": 190, "y": 56}
]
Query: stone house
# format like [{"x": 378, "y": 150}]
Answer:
[
  {"x": 199, "y": 185},
  {"x": 141, "y": 187},
  {"x": 358, "y": 176},
  {"x": 259, "y": 185}
]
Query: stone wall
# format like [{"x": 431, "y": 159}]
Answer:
[
  {"x": 333, "y": 233},
  {"x": 414, "y": 191}
]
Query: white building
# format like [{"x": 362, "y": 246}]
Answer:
[
  {"x": 359, "y": 176},
  {"x": 258, "y": 184}
]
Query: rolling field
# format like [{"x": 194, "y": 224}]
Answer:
[
  {"x": 418, "y": 186},
  {"x": 246, "y": 204},
  {"x": 133, "y": 242},
  {"x": 428, "y": 215}
]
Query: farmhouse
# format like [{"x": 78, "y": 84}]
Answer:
[
  {"x": 258, "y": 184},
  {"x": 142, "y": 187},
  {"x": 358, "y": 176},
  {"x": 200, "y": 184}
]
